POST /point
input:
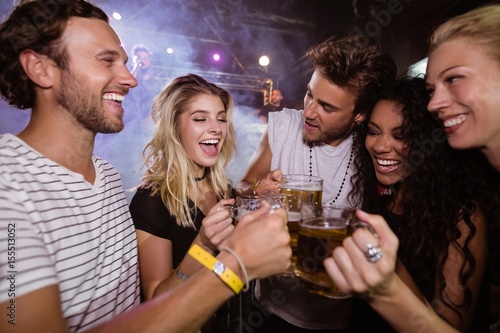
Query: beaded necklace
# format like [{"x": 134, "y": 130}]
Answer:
[{"x": 345, "y": 174}]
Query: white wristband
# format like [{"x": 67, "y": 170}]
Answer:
[{"x": 243, "y": 269}]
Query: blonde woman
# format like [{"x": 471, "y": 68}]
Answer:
[{"x": 185, "y": 184}]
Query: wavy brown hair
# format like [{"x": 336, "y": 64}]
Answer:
[
  {"x": 443, "y": 187},
  {"x": 355, "y": 64},
  {"x": 38, "y": 26}
]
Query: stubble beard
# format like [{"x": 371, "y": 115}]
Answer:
[
  {"x": 331, "y": 134},
  {"x": 77, "y": 97}
]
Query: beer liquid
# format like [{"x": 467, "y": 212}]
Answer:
[
  {"x": 298, "y": 196},
  {"x": 295, "y": 198},
  {"x": 315, "y": 243},
  {"x": 293, "y": 228}
]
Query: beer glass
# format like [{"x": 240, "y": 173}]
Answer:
[
  {"x": 246, "y": 204},
  {"x": 276, "y": 199},
  {"x": 301, "y": 184},
  {"x": 299, "y": 189},
  {"x": 321, "y": 230}
]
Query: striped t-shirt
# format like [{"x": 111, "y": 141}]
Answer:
[{"x": 56, "y": 228}]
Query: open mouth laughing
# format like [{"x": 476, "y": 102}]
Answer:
[
  {"x": 386, "y": 165},
  {"x": 209, "y": 146}
]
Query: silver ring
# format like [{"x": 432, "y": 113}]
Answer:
[{"x": 374, "y": 253}]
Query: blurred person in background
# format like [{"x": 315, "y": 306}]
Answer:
[
  {"x": 275, "y": 104},
  {"x": 148, "y": 86}
]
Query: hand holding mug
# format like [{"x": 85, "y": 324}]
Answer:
[
  {"x": 262, "y": 242},
  {"x": 354, "y": 269},
  {"x": 269, "y": 182},
  {"x": 217, "y": 226},
  {"x": 321, "y": 231}
]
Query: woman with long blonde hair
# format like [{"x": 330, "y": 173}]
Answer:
[{"x": 185, "y": 184}]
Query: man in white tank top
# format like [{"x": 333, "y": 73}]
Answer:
[{"x": 316, "y": 141}]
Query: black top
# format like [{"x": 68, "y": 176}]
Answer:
[
  {"x": 269, "y": 108},
  {"x": 150, "y": 215},
  {"x": 364, "y": 318}
]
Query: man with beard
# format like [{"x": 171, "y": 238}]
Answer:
[
  {"x": 275, "y": 104},
  {"x": 68, "y": 251},
  {"x": 316, "y": 141}
]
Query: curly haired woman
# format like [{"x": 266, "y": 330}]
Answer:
[{"x": 407, "y": 172}]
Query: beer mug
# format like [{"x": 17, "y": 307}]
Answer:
[
  {"x": 301, "y": 186},
  {"x": 298, "y": 189},
  {"x": 246, "y": 204},
  {"x": 321, "y": 230},
  {"x": 290, "y": 201},
  {"x": 276, "y": 199}
]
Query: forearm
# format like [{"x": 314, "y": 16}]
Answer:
[
  {"x": 187, "y": 267},
  {"x": 407, "y": 279},
  {"x": 245, "y": 188},
  {"x": 183, "y": 309},
  {"x": 405, "y": 312}
]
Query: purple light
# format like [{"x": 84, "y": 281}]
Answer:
[{"x": 216, "y": 57}]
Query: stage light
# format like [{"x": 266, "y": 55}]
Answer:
[
  {"x": 216, "y": 57},
  {"x": 117, "y": 16},
  {"x": 264, "y": 61},
  {"x": 170, "y": 50}
]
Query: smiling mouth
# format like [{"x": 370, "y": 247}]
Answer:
[
  {"x": 387, "y": 165},
  {"x": 387, "y": 162},
  {"x": 210, "y": 146},
  {"x": 454, "y": 121},
  {"x": 210, "y": 142},
  {"x": 113, "y": 97}
]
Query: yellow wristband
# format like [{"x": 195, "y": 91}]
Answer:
[{"x": 223, "y": 272}]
